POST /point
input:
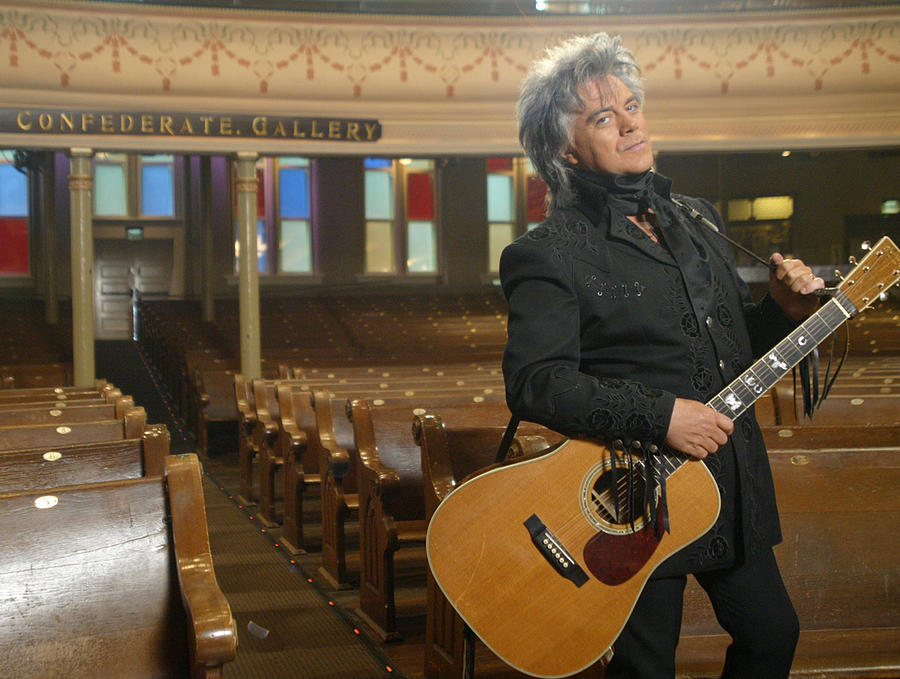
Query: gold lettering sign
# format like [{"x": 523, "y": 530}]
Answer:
[{"x": 143, "y": 123}]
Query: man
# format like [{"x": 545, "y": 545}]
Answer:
[{"x": 625, "y": 318}]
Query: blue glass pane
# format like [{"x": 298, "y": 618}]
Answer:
[
  {"x": 500, "y": 198},
  {"x": 377, "y": 163},
  {"x": 293, "y": 192},
  {"x": 379, "y": 195},
  {"x": 13, "y": 192},
  {"x": 157, "y": 191},
  {"x": 262, "y": 246},
  {"x": 109, "y": 191}
]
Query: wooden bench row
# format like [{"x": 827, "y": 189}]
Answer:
[
  {"x": 387, "y": 490},
  {"x": 112, "y": 579},
  {"x": 301, "y": 425},
  {"x": 30, "y": 347},
  {"x": 338, "y": 330},
  {"x": 106, "y": 555},
  {"x": 310, "y": 431},
  {"x": 838, "y": 560}
]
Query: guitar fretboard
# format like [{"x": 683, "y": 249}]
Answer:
[
  {"x": 743, "y": 392},
  {"x": 734, "y": 399}
]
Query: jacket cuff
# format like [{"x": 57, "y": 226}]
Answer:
[{"x": 645, "y": 416}]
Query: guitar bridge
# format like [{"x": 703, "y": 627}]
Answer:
[{"x": 555, "y": 554}]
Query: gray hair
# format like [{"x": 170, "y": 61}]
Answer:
[{"x": 549, "y": 101}]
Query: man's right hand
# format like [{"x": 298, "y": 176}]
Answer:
[{"x": 696, "y": 429}]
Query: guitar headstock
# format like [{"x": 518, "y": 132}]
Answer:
[{"x": 877, "y": 272}]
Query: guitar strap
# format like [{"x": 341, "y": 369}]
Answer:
[
  {"x": 508, "y": 435},
  {"x": 809, "y": 366},
  {"x": 809, "y": 382}
]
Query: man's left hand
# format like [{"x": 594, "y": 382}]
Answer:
[{"x": 791, "y": 284}]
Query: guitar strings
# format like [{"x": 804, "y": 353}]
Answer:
[{"x": 572, "y": 525}]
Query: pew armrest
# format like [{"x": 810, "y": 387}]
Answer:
[
  {"x": 213, "y": 631},
  {"x": 338, "y": 460},
  {"x": 155, "y": 442}
]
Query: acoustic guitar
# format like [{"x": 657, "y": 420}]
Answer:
[{"x": 545, "y": 558}]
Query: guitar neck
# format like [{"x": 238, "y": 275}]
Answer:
[{"x": 743, "y": 392}]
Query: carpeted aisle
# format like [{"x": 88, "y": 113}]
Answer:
[
  {"x": 286, "y": 627},
  {"x": 122, "y": 363}
]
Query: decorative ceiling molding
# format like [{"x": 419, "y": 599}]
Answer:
[{"x": 449, "y": 85}]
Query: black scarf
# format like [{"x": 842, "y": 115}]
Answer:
[{"x": 629, "y": 194}]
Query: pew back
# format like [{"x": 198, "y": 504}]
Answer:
[
  {"x": 93, "y": 582},
  {"x": 34, "y": 468}
]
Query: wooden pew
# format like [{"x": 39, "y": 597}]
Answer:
[
  {"x": 391, "y": 506},
  {"x": 28, "y": 414},
  {"x": 301, "y": 464},
  {"x": 34, "y": 468},
  {"x": 245, "y": 400},
  {"x": 391, "y": 501},
  {"x": 197, "y": 363},
  {"x": 264, "y": 436},
  {"x": 112, "y": 579},
  {"x": 217, "y": 404},
  {"x": 861, "y": 395},
  {"x": 840, "y": 560},
  {"x": 330, "y": 440},
  {"x": 806, "y": 436},
  {"x": 23, "y": 375},
  {"x": 314, "y": 429},
  {"x": 131, "y": 426},
  {"x": 450, "y": 454},
  {"x": 13, "y": 397},
  {"x": 265, "y": 432},
  {"x": 210, "y": 397}
]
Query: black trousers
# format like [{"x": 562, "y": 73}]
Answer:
[{"x": 751, "y": 604}]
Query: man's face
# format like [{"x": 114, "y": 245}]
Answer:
[{"x": 610, "y": 134}]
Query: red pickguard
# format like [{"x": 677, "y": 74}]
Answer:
[{"x": 614, "y": 559}]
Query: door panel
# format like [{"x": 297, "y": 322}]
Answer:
[{"x": 121, "y": 268}]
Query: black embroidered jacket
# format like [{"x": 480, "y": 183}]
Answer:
[{"x": 607, "y": 328}]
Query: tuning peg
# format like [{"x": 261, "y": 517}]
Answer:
[
  {"x": 865, "y": 246},
  {"x": 852, "y": 260},
  {"x": 838, "y": 274}
]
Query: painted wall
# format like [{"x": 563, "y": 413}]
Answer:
[{"x": 444, "y": 85}]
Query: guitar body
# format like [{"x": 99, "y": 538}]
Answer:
[{"x": 507, "y": 546}]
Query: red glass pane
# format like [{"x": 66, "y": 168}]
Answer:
[
  {"x": 14, "y": 237},
  {"x": 537, "y": 199},
  {"x": 499, "y": 164},
  {"x": 260, "y": 193},
  {"x": 419, "y": 196}
]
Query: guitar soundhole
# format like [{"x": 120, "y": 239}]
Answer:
[{"x": 600, "y": 501}]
